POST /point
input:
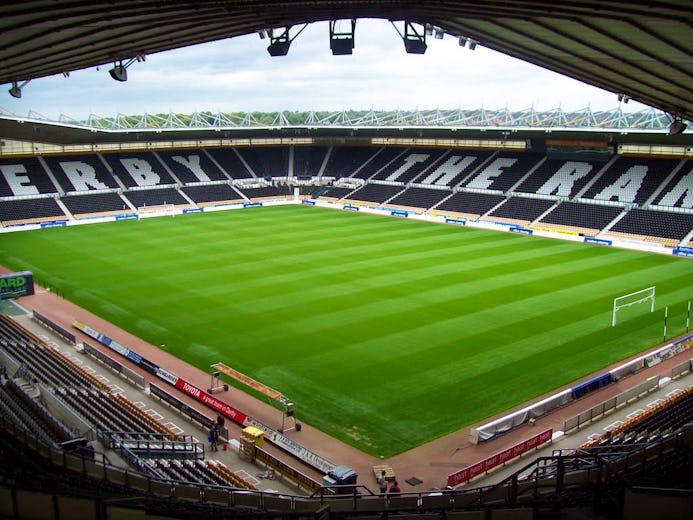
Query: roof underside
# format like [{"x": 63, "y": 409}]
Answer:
[{"x": 640, "y": 48}]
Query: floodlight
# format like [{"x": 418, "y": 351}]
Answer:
[
  {"x": 439, "y": 33},
  {"x": 462, "y": 41},
  {"x": 279, "y": 45},
  {"x": 342, "y": 43},
  {"x": 119, "y": 73},
  {"x": 414, "y": 42},
  {"x": 472, "y": 44},
  {"x": 428, "y": 29},
  {"x": 677, "y": 126},
  {"x": 15, "y": 91}
]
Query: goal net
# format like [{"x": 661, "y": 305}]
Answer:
[
  {"x": 157, "y": 210},
  {"x": 635, "y": 298}
]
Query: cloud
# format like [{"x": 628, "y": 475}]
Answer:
[{"x": 239, "y": 75}]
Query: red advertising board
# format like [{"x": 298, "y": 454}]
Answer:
[
  {"x": 211, "y": 401},
  {"x": 468, "y": 473}
]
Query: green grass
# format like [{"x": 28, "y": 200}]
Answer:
[{"x": 386, "y": 333}]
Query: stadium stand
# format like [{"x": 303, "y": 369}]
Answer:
[
  {"x": 630, "y": 179},
  {"x": 580, "y": 217},
  {"x": 156, "y": 197},
  {"x": 375, "y": 193},
  {"x": 94, "y": 204},
  {"x": 377, "y": 162},
  {"x": 344, "y": 161},
  {"x": 262, "y": 192},
  {"x": 471, "y": 204},
  {"x": 270, "y": 161},
  {"x": 336, "y": 192},
  {"x": 659, "y": 226},
  {"x": 308, "y": 160},
  {"x": 212, "y": 194},
  {"x": 678, "y": 192},
  {"x": 26, "y": 177},
  {"x": 409, "y": 164},
  {"x": 79, "y": 186},
  {"x": 559, "y": 177},
  {"x": 454, "y": 168},
  {"x": 420, "y": 198},
  {"x": 230, "y": 162},
  {"x": 138, "y": 169},
  {"x": 503, "y": 170},
  {"x": 80, "y": 173},
  {"x": 18, "y": 211},
  {"x": 190, "y": 166},
  {"x": 521, "y": 209}
]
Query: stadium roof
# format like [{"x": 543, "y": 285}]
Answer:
[{"x": 640, "y": 49}]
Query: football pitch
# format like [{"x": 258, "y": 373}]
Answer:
[{"x": 385, "y": 332}]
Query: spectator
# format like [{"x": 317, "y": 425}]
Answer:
[
  {"x": 214, "y": 438},
  {"x": 395, "y": 488},
  {"x": 382, "y": 482}
]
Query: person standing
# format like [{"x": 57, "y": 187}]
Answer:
[
  {"x": 382, "y": 482},
  {"x": 214, "y": 438}
]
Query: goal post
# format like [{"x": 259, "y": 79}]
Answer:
[
  {"x": 634, "y": 298},
  {"x": 157, "y": 210}
]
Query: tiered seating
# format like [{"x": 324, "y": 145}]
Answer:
[
  {"x": 43, "y": 362},
  {"x": 184, "y": 471},
  {"x": 345, "y": 160},
  {"x": 337, "y": 192},
  {"x": 24, "y": 176},
  {"x": 229, "y": 476},
  {"x": 377, "y": 193},
  {"x": 265, "y": 192},
  {"x": 232, "y": 165},
  {"x": 136, "y": 169},
  {"x": 453, "y": 168},
  {"x": 268, "y": 161},
  {"x": 106, "y": 411},
  {"x": 581, "y": 217},
  {"x": 678, "y": 192},
  {"x": 660, "y": 226},
  {"x": 475, "y": 204},
  {"x": 94, "y": 204},
  {"x": 31, "y": 210},
  {"x": 419, "y": 198},
  {"x": 559, "y": 177},
  {"x": 521, "y": 209},
  {"x": 82, "y": 172},
  {"x": 208, "y": 194},
  {"x": 31, "y": 413},
  {"x": 503, "y": 171},
  {"x": 377, "y": 162},
  {"x": 631, "y": 179},
  {"x": 189, "y": 166},
  {"x": 669, "y": 415},
  {"x": 308, "y": 160},
  {"x": 409, "y": 164},
  {"x": 156, "y": 197}
]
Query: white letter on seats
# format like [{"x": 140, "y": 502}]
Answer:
[
  {"x": 17, "y": 182},
  {"x": 141, "y": 172},
  {"x": 493, "y": 170},
  {"x": 683, "y": 188},
  {"x": 450, "y": 169},
  {"x": 192, "y": 163},
  {"x": 409, "y": 161},
  {"x": 626, "y": 186},
  {"x": 561, "y": 183},
  {"x": 82, "y": 176}
]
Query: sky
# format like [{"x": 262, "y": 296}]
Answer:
[{"x": 239, "y": 75}]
